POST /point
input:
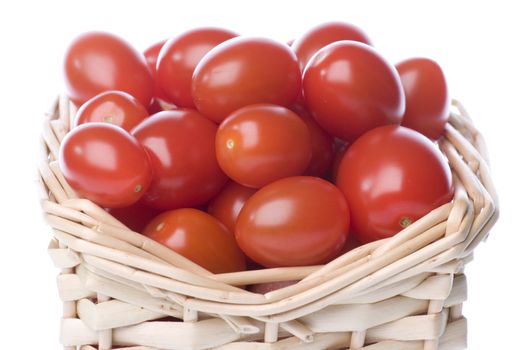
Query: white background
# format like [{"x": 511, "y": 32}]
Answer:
[{"x": 479, "y": 45}]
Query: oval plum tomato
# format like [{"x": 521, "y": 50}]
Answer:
[
  {"x": 227, "y": 205},
  {"x": 323, "y": 147},
  {"x": 426, "y": 94},
  {"x": 115, "y": 107},
  {"x": 318, "y": 37},
  {"x": 350, "y": 89},
  {"x": 392, "y": 176},
  {"x": 136, "y": 216},
  {"x": 199, "y": 237},
  {"x": 261, "y": 143},
  {"x": 181, "y": 145},
  {"x": 245, "y": 71},
  {"x": 179, "y": 57},
  {"x": 105, "y": 164},
  {"x": 151, "y": 54},
  {"x": 295, "y": 221},
  {"x": 96, "y": 62}
]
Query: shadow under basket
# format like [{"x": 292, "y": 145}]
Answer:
[{"x": 121, "y": 290}]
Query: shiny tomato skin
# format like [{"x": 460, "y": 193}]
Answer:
[
  {"x": 179, "y": 57},
  {"x": 427, "y": 97},
  {"x": 323, "y": 146},
  {"x": 136, "y": 216},
  {"x": 151, "y": 54},
  {"x": 115, "y": 107},
  {"x": 96, "y": 62},
  {"x": 350, "y": 89},
  {"x": 182, "y": 152},
  {"x": 227, "y": 205},
  {"x": 392, "y": 176},
  {"x": 294, "y": 221},
  {"x": 105, "y": 164},
  {"x": 199, "y": 237},
  {"x": 244, "y": 71},
  {"x": 318, "y": 37},
  {"x": 261, "y": 143}
]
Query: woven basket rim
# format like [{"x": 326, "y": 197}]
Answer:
[{"x": 447, "y": 235}]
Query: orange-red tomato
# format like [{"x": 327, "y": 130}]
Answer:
[
  {"x": 318, "y": 37},
  {"x": 427, "y": 98},
  {"x": 295, "y": 221},
  {"x": 179, "y": 57},
  {"x": 199, "y": 237},
  {"x": 244, "y": 71},
  {"x": 350, "y": 89},
  {"x": 105, "y": 164},
  {"x": 323, "y": 147},
  {"x": 392, "y": 176},
  {"x": 181, "y": 145},
  {"x": 227, "y": 205},
  {"x": 96, "y": 62},
  {"x": 151, "y": 54},
  {"x": 261, "y": 143},
  {"x": 136, "y": 216},
  {"x": 115, "y": 107}
]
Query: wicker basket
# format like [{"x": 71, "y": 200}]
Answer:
[{"x": 121, "y": 290}]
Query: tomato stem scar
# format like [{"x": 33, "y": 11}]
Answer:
[{"x": 405, "y": 222}]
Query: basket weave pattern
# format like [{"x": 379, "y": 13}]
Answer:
[{"x": 121, "y": 290}]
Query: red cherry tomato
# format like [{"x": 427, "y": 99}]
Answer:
[
  {"x": 136, "y": 216},
  {"x": 261, "y": 143},
  {"x": 105, "y": 164},
  {"x": 341, "y": 148},
  {"x": 227, "y": 205},
  {"x": 245, "y": 71},
  {"x": 181, "y": 145},
  {"x": 115, "y": 107},
  {"x": 151, "y": 54},
  {"x": 318, "y": 37},
  {"x": 96, "y": 62},
  {"x": 323, "y": 147},
  {"x": 179, "y": 57},
  {"x": 426, "y": 93},
  {"x": 392, "y": 176},
  {"x": 199, "y": 237},
  {"x": 350, "y": 89},
  {"x": 295, "y": 221}
]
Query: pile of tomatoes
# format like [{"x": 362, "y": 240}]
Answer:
[{"x": 230, "y": 149}]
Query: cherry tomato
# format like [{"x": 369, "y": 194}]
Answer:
[
  {"x": 151, "y": 54},
  {"x": 392, "y": 176},
  {"x": 350, "y": 89},
  {"x": 227, "y": 205},
  {"x": 245, "y": 71},
  {"x": 181, "y": 145},
  {"x": 261, "y": 143},
  {"x": 295, "y": 221},
  {"x": 96, "y": 62},
  {"x": 179, "y": 57},
  {"x": 341, "y": 148},
  {"x": 136, "y": 216},
  {"x": 199, "y": 237},
  {"x": 318, "y": 37},
  {"x": 105, "y": 164},
  {"x": 115, "y": 107},
  {"x": 323, "y": 147},
  {"x": 427, "y": 98}
]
